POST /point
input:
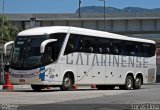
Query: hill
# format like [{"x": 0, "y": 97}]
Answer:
[{"x": 100, "y": 9}]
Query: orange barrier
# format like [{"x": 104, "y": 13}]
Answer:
[
  {"x": 7, "y": 85},
  {"x": 93, "y": 86},
  {"x": 74, "y": 87}
]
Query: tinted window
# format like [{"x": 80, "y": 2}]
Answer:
[
  {"x": 98, "y": 45},
  {"x": 53, "y": 48}
]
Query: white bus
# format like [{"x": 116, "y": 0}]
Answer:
[{"x": 62, "y": 56}]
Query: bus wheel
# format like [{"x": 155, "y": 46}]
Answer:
[
  {"x": 36, "y": 88},
  {"x": 137, "y": 82},
  {"x": 129, "y": 83},
  {"x": 67, "y": 83}
]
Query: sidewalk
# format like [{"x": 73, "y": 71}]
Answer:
[{"x": 18, "y": 87}]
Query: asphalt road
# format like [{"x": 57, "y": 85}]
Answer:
[{"x": 146, "y": 98}]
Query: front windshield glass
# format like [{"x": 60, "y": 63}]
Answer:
[{"x": 26, "y": 52}]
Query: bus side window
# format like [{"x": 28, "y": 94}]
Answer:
[
  {"x": 141, "y": 50},
  {"x": 50, "y": 54},
  {"x": 107, "y": 49},
  {"x": 80, "y": 41},
  {"x": 82, "y": 45},
  {"x": 114, "y": 47},
  {"x": 115, "y": 50},
  {"x": 88, "y": 47},
  {"x": 106, "y": 46},
  {"x": 98, "y": 48},
  {"x": 70, "y": 45},
  {"x": 130, "y": 48},
  {"x": 149, "y": 50},
  {"x": 123, "y": 48},
  {"x": 76, "y": 43}
]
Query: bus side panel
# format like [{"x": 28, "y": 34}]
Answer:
[
  {"x": 98, "y": 75},
  {"x": 112, "y": 75},
  {"x": 84, "y": 76},
  {"x": 66, "y": 64},
  {"x": 124, "y": 72},
  {"x": 67, "y": 68},
  {"x": 150, "y": 70},
  {"x": 150, "y": 76},
  {"x": 98, "y": 68},
  {"x": 117, "y": 67},
  {"x": 85, "y": 64},
  {"x": 52, "y": 74}
]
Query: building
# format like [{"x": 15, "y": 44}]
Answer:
[{"x": 136, "y": 24}]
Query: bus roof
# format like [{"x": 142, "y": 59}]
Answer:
[{"x": 76, "y": 30}]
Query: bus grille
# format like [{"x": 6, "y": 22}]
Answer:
[{"x": 23, "y": 75}]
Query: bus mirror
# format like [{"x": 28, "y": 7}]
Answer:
[
  {"x": 44, "y": 43},
  {"x": 7, "y": 46}
]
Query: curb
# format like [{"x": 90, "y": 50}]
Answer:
[{"x": 18, "y": 87}]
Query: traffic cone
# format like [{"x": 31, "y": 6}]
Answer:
[
  {"x": 7, "y": 85},
  {"x": 74, "y": 87},
  {"x": 93, "y": 86}
]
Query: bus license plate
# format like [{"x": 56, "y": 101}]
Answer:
[{"x": 22, "y": 80}]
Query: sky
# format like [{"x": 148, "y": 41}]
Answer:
[{"x": 69, "y": 6}]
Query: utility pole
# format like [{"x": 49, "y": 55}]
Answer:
[
  {"x": 79, "y": 8},
  {"x": 104, "y": 13}
]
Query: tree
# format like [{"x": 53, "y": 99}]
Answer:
[{"x": 9, "y": 31}]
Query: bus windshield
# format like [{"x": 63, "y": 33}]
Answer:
[{"x": 26, "y": 52}]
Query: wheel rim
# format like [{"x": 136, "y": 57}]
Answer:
[
  {"x": 129, "y": 83},
  {"x": 67, "y": 82},
  {"x": 138, "y": 82}
]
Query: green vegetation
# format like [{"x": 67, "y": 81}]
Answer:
[{"x": 9, "y": 31}]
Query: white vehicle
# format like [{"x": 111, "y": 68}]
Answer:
[{"x": 63, "y": 56}]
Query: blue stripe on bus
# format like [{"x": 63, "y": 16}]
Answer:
[{"x": 42, "y": 75}]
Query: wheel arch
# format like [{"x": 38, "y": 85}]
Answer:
[
  {"x": 130, "y": 74},
  {"x": 71, "y": 73},
  {"x": 139, "y": 74},
  {"x": 128, "y": 86}
]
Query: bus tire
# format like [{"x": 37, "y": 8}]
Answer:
[
  {"x": 36, "y": 88},
  {"x": 137, "y": 83},
  {"x": 128, "y": 83},
  {"x": 67, "y": 83}
]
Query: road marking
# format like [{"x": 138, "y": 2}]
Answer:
[{"x": 53, "y": 96}]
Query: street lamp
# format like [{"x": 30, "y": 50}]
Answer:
[
  {"x": 104, "y": 13},
  {"x": 79, "y": 8}
]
